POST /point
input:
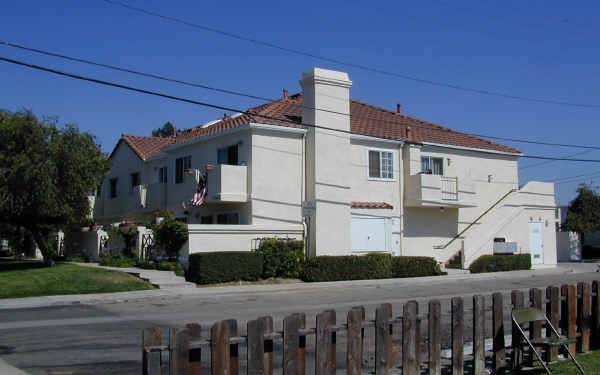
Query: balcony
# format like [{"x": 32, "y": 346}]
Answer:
[
  {"x": 430, "y": 190},
  {"x": 123, "y": 204},
  {"x": 156, "y": 196},
  {"x": 228, "y": 183}
]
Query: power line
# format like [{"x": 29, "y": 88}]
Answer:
[
  {"x": 552, "y": 161},
  {"x": 350, "y": 64},
  {"x": 242, "y": 94},
  {"x": 216, "y": 106}
]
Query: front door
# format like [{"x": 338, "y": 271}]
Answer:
[{"x": 536, "y": 243}]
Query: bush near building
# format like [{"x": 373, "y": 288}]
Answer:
[
  {"x": 497, "y": 263},
  {"x": 221, "y": 267},
  {"x": 281, "y": 257}
]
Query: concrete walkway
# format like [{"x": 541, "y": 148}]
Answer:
[
  {"x": 160, "y": 279},
  {"x": 215, "y": 292},
  {"x": 6, "y": 369}
]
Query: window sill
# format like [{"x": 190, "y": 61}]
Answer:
[{"x": 381, "y": 179}]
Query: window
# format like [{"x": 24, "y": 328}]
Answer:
[
  {"x": 162, "y": 175},
  {"x": 228, "y": 155},
  {"x": 430, "y": 165},
  {"x": 113, "y": 187},
  {"x": 135, "y": 180},
  {"x": 381, "y": 164},
  {"x": 181, "y": 166},
  {"x": 228, "y": 218},
  {"x": 206, "y": 219}
]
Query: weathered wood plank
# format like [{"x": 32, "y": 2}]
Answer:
[
  {"x": 195, "y": 355},
  {"x": 362, "y": 330},
  {"x": 391, "y": 335},
  {"x": 179, "y": 351},
  {"x": 150, "y": 337},
  {"x": 410, "y": 343},
  {"x": 325, "y": 350},
  {"x": 234, "y": 360},
  {"x": 584, "y": 313},
  {"x": 553, "y": 305},
  {"x": 535, "y": 328},
  {"x": 354, "y": 342},
  {"x": 518, "y": 302},
  {"x": 153, "y": 365},
  {"x": 219, "y": 346},
  {"x": 382, "y": 340},
  {"x": 478, "y": 334},
  {"x": 596, "y": 312},
  {"x": 291, "y": 345},
  {"x": 572, "y": 316},
  {"x": 268, "y": 345},
  {"x": 256, "y": 347},
  {"x": 302, "y": 345},
  {"x": 435, "y": 343},
  {"x": 458, "y": 328},
  {"x": 499, "y": 347}
]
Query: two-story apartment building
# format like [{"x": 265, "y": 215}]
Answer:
[{"x": 370, "y": 179}]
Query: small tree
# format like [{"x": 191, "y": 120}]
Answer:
[
  {"x": 46, "y": 176},
  {"x": 170, "y": 235},
  {"x": 166, "y": 130},
  {"x": 584, "y": 212}
]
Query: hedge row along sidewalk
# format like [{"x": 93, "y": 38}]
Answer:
[{"x": 66, "y": 279}]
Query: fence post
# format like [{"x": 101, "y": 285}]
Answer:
[
  {"x": 256, "y": 347},
  {"x": 325, "y": 350},
  {"x": 410, "y": 339},
  {"x": 362, "y": 330},
  {"x": 498, "y": 328},
  {"x": 584, "y": 312},
  {"x": 195, "y": 355},
  {"x": 478, "y": 334},
  {"x": 150, "y": 337},
  {"x": 457, "y": 336},
  {"x": 179, "y": 352},
  {"x": 219, "y": 345},
  {"x": 435, "y": 345},
  {"x": 391, "y": 329},
  {"x": 518, "y": 302},
  {"x": 302, "y": 345},
  {"x": 268, "y": 345},
  {"x": 572, "y": 316},
  {"x": 291, "y": 344},
  {"x": 153, "y": 364},
  {"x": 382, "y": 340},
  {"x": 535, "y": 328},
  {"x": 596, "y": 312},
  {"x": 354, "y": 342},
  {"x": 553, "y": 313},
  {"x": 234, "y": 357}
]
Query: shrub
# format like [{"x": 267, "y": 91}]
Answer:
[
  {"x": 220, "y": 267},
  {"x": 369, "y": 266},
  {"x": 110, "y": 261},
  {"x": 170, "y": 235},
  {"x": 415, "y": 267},
  {"x": 348, "y": 267},
  {"x": 497, "y": 263},
  {"x": 162, "y": 266},
  {"x": 282, "y": 258}
]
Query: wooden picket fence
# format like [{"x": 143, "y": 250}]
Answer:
[{"x": 573, "y": 309}]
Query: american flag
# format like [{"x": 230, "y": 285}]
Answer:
[{"x": 199, "y": 195}]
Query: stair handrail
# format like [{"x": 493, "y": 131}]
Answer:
[{"x": 442, "y": 247}]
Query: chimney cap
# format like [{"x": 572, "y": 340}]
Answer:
[
  {"x": 398, "y": 108},
  {"x": 285, "y": 93}
]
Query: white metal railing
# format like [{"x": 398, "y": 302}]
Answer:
[{"x": 449, "y": 188}]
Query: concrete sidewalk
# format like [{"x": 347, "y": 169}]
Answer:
[
  {"x": 33, "y": 302},
  {"x": 6, "y": 369}
]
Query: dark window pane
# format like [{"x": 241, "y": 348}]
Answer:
[
  {"x": 232, "y": 155},
  {"x": 374, "y": 164},
  {"x": 178, "y": 170}
]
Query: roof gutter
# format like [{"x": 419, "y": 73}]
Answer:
[{"x": 473, "y": 149}]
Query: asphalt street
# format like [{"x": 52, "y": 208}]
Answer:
[{"x": 104, "y": 338}]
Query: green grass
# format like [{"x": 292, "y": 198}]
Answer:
[
  {"x": 65, "y": 279},
  {"x": 590, "y": 362}
]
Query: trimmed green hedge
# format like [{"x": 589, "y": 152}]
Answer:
[
  {"x": 369, "y": 266},
  {"x": 497, "y": 263},
  {"x": 282, "y": 258},
  {"x": 117, "y": 261},
  {"x": 221, "y": 267}
]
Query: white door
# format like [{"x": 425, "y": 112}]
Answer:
[
  {"x": 396, "y": 236},
  {"x": 368, "y": 233},
  {"x": 536, "y": 243}
]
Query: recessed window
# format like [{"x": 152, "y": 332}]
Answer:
[
  {"x": 181, "y": 166},
  {"x": 163, "y": 176},
  {"x": 431, "y": 165},
  {"x": 228, "y": 155},
  {"x": 135, "y": 180},
  {"x": 381, "y": 164},
  {"x": 228, "y": 218},
  {"x": 113, "y": 187},
  {"x": 206, "y": 219}
]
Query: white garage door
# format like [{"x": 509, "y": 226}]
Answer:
[{"x": 368, "y": 233}]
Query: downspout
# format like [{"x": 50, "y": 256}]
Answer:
[
  {"x": 401, "y": 182},
  {"x": 303, "y": 196}
]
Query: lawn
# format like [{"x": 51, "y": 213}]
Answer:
[
  {"x": 590, "y": 362},
  {"x": 32, "y": 280}
]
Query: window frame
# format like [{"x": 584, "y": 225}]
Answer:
[
  {"x": 216, "y": 217},
  {"x": 163, "y": 175},
  {"x": 186, "y": 161},
  {"x": 227, "y": 153},
  {"x": 113, "y": 187},
  {"x": 138, "y": 177},
  {"x": 430, "y": 157},
  {"x": 394, "y": 164}
]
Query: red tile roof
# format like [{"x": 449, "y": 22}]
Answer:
[
  {"x": 372, "y": 205},
  {"x": 365, "y": 119}
]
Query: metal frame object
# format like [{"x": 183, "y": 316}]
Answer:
[{"x": 527, "y": 315}]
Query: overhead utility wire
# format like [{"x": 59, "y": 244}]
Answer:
[
  {"x": 350, "y": 64},
  {"x": 216, "y": 106},
  {"x": 552, "y": 161},
  {"x": 237, "y": 93}
]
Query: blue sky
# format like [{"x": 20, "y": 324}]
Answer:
[{"x": 538, "y": 49}]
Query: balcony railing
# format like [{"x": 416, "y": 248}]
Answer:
[
  {"x": 430, "y": 190},
  {"x": 449, "y": 188}
]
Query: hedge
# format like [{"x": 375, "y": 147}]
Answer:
[
  {"x": 497, "y": 263},
  {"x": 369, "y": 266},
  {"x": 282, "y": 257},
  {"x": 221, "y": 267}
]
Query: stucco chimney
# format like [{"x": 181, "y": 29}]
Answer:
[
  {"x": 398, "y": 108},
  {"x": 174, "y": 131},
  {"x": 326, "y": 103},
  {"x": 285, "y": 93}
]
